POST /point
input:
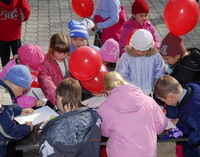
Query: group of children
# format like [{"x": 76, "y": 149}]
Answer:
[{"x": 137, "y": 66}]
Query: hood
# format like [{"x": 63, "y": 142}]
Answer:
[
  {"x": 70, "y": 132},
  {"x": 8, "y": 4},
  {"x": 126, "y": 98}
]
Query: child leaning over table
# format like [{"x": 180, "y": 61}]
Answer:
[
  {"x": 17, "y": 80},
  {"x": 183, "y": 65},
  {"x": 32, "y": 56},
  {"x": 76, "y": 133},
  {"x": 130, "y": 119},
  {"x": 55, "y": 67},
  {"x": 187, "y": 109}
]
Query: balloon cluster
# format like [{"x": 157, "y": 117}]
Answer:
[
  {"x": 181, "y": 16},
  {"x": 85, "y": 64}
]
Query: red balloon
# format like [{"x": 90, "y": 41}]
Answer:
[
  {"x": 85, "y": 63},
  {"x": 181, "y": 16},
  {"x": 96, "y": 84},
  {"x": 83, "y": 8}
]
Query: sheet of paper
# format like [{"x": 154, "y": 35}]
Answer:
[
  {"x": 38, "y": 94},
  {"x": 40, "y": 115},
  {"x": 94, "y": 102},
  {"x": 170, "y": 124}
]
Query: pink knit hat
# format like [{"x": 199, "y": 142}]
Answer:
[
  {"x": 31, "y": 55},
  {"x": 172, "y": 45},
  {"x": 140, "y": 6},
  {"x": 110, "y": 51}
]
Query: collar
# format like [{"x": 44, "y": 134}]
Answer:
[
  {"x": 13, "y": 97},
  {"x": 184, "y": 92},
  {"x": 185, "y": 97}
]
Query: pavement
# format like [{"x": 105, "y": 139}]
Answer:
[{"x": 51, "y": 16}]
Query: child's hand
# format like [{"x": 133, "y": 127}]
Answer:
[
  {"x": 95, "y": 26},
  {"x": 175, "y": 121},
  {"x": 30, "y": 124},
  {"x": 99, "y": 95},
  {"x": 27, "y": 111},
  {"x": 38, "y": 103}
]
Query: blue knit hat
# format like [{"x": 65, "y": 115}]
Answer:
[
  {"x": 20, "y": 76},
  {"x": 80, "y": 29}
]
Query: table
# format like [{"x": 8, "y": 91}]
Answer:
[{"x": 32, "y": 141}]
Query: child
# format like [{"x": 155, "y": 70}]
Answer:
[
  {"x": 17, "y": 80},
  {"x": 79, "y": 34},
  {"x": 141, "y": 65},
  {"x": 77, "y": 131},
  {"x": 184, "y": 65},
  {"x": 187, "y": 102},
  {"x": 13, "y": 13},
  {"x": 32, "y": 56},
  {"x": 55, "y": 66},
  {"x": 139, "y": 20},
  {"x": 110, "y": 54},
  {"x": 109, "y": 17},
  {"x": 132, "y": 125}
]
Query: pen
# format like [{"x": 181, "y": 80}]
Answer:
[{"x": 35, "y": 95}]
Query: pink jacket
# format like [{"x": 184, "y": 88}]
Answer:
[
  {"x": 132, "y": 121},
  {"x": 130, "y": 25},
  {"x": 49, "y": 78},
  {"x": 23, "y": 101}
]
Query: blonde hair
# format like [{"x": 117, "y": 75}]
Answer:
[
  {"x": 132, "y": 51},
  {"x": 59, "y": 42},
  {"x": 112, "y": 80},
  {"x": 166, "y": 84},
  {"x": 70, "y": 91}
]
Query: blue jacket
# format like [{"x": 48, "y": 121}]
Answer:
[
  {"x": 73, "y": 134},
  {"x": 189, "y": 119},
  {"x": 9, "y": 130}
]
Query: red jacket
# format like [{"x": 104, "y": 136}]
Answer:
[
  {"x": 49, "y": 78},
  {"x": 11, "y": 18}
]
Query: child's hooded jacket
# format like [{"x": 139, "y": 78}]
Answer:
[{"x": 132, "y": 121}]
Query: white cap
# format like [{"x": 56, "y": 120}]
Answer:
[{"x": 142, "y": 40}]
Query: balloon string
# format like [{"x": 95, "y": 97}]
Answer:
[{"x": 100, "y": 41}]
